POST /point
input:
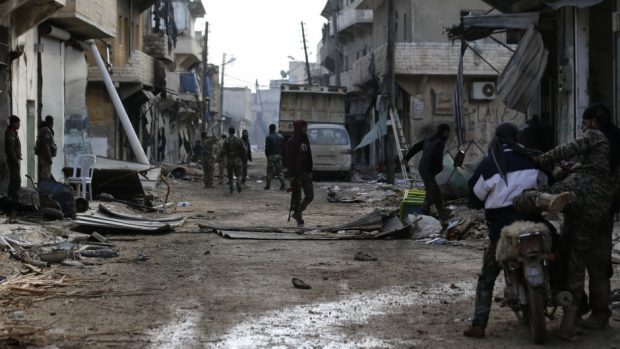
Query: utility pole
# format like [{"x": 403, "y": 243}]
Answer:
[
  {"x": 206, "y": 100},
  {"x": 260, "y": 98},
  {"x": 222, "y": 95},
  {"x": 336, "y": 40},
  {"x": 303, "y": 34},
  {"x": 390, "y": 143}
]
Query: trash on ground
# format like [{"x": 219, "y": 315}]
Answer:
[
  {"x": 300, "y": 284},
  {"x": 142, "y": 258},
  {"x": 184, "y": 204},
  {"x": 437, "y": 241},
  {"x": 460, "y": 229},
  {"x": 364, "y": 257},
  {"x": 2, "y": 279},
  {"x": 100, "y": 253},
  {"x": 424, "y": 226},
  {"x": 106, "y": 218}
]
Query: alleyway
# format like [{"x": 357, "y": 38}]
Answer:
[{"x": 199, "y": 290}]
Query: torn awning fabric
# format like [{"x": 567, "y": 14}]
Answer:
[{"x": 517, "y": 84}]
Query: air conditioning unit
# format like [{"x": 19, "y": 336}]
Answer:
[{"x": 482, "y": 91}]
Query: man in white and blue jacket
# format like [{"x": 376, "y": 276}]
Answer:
[{"x": 504, "y": 173}]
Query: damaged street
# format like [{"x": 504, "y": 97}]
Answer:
[
  {"x": 355, "y": 174},
  {"x": 192, "y": 288}
]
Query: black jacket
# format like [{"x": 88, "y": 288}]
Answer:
[
  {"x": 432, "y": 154},
  {"x": 274, "y": 144}
]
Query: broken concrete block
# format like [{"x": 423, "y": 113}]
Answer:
[
  {"x": 98, "y": 237},
  {"x": 300, "y": 284}
]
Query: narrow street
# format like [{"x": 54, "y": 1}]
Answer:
[{"x": 199, "y": 290}]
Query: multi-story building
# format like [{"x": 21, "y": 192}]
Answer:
[
  {"x": 237, "y": 108},
  {"x": 43, "y": 70},
  {"x": 426, "y": 64}
]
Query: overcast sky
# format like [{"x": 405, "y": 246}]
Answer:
[{"x": 261, "y": 35}]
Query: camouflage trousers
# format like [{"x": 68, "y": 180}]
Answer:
[
  {"x": 484, "y": 288},
  {"x": 274, "y": 169},
  {"x": 585, "y": 232},
  {"x": 234, "y": 170},
  {"x": 208, "y": 168},
  {"x": 221, "y": 166},
  {"x": 300, "y": 183}
]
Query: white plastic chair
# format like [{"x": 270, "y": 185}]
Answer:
[{"x": 86, "y": 164}]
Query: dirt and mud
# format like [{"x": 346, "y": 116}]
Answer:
[{"x": 198, "y": 290}]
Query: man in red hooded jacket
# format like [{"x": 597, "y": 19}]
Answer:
[{"x": 299, "y": 165}]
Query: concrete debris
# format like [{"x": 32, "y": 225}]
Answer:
[
  {"x": 142, "y": 258},
  {"x": 55, "y": 257},
  {"x": 17, "y": 315},
  {"x": 364, "y": 257},
  {"x": 100, "y": 253},
  {"x": 300, "y": 284}
]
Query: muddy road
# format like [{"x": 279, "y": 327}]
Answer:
[{"x": 198, "y": 290}]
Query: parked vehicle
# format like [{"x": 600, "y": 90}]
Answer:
[
  {"x": 526, "y": 251},
  {"x": 323, "y": 107}
]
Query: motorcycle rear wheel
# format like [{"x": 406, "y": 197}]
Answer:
[{"x": 536, "y": 314}]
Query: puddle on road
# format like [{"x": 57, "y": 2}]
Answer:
[
  {"x": 317, "y": 325},
  {"x": 179, "y": 332}
]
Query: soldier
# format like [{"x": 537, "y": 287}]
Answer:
[
  {"x": 299, "y": 165},
  {"x": 597, "y": 116},
  {"x": 207, "y": 158},
  {"x": 234, "y": 151},
  {"x": 245, "y": 137},
  {"x": 13, "y": 150},
  {"x": 45, "y": 148},
  {"x": 221, "y": 159},
  {"x": 585, "y": 198},
  {"x": 274, "y": 144}
]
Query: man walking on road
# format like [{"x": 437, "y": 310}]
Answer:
[
  {"x": 245, "y": 137},
  {"x": 430, "y": 166},
  {"x": 274, "y": 144},
  {"x": 234, "y": 151},
  {"x": 299, "y": 165},
  {"x": 13, "y": 150},
  {"x": 45, "y": 148}
]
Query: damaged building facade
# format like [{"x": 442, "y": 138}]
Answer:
[
  {"x": 582, "y": 46},
  {"x": 43, "y": 70},
  {"x": 153, "y": 61},
  {"x": 426, "y": 64},
  {"x": 46, "y": 68}
]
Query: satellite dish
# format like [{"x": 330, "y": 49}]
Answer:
[{"x": 283, "y": 74}]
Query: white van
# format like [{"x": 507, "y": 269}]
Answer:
[{"x": 331, "y": 148}]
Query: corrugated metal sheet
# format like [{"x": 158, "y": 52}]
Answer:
[{"x": 517, "y": 84}]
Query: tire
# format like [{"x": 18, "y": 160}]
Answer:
[{"x": 536, "y": 314}]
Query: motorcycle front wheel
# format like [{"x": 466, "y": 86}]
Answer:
[{"x": 536, "y": 314}]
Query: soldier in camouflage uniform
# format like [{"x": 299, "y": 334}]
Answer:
[
  {"x": 207, "y": 158},
  {"x": 585, "y": 199},
  {"x": 13, "y": 150},
  {"x": 274, "y": 144},
  {"x": 221, "y": 159},
  {"x": 234, "y": 151}
]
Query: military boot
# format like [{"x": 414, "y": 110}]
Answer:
[
  {"x": 568, "y": 331},
  {"x": 238, "y": 187},
  {"x": 268, "y": 185},
  {"x": 474, "y": 331},
  {"x": 554, "y": 202},
  {"x": 282, "y": 186},
  {"x": 298, "y": 218}
]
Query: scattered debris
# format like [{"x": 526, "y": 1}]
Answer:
[
  {"x": 2, "y": 279},
  {"x": 460, "y": 229},
  {"x": 615, "y": 299},
  {"x": 437, "y": 241},
  {"x": 106, "y": 218},
  {"x": 100, "y": 253},
  {"x": 374, "y": 225},
  {"x": 142, "y": 258},
  {"x": 364, "y": 257},
  {"x": 55, "y": 257},
  {"x": 17, "y": 315},
  {"x": 98, "y": 237},
  {"x": 184, "y": 204},
  {"x": 300, "y": 284}
]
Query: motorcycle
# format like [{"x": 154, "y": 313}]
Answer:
[{"x": 525, "y": 250}]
